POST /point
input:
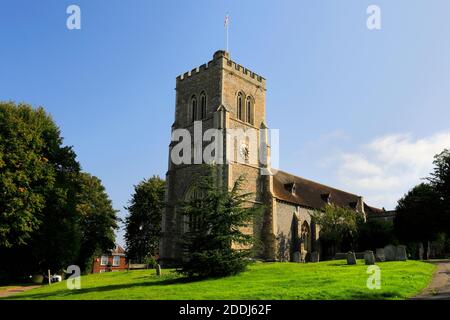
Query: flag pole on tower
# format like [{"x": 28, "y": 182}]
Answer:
[{"x": 226, "y": 23}]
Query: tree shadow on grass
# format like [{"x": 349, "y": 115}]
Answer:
[{"x": 66, "y": 292}]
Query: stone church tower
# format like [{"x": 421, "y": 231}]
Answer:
[
  {"x": 220, "y": 95},
  {"x": 226, "y": 96}
]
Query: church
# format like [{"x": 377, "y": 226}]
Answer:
[{"x": 224, "y": 95}]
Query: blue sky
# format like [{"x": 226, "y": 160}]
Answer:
[{"x": 357, "y": 109}]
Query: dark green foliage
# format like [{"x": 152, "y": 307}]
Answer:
[
  {"x": 29, "y": 158},
  {"x": 440, "y": 181},
  {"x": 215, "y": 244},
  {"x": 338, "y": 226},
  {"x": 41, "y": 226},
  {"x": 97, "y": 222},
  {"x": 419, "y": 215},
  {"x": 143, "y": 224},
  {"x": 375, "y": 234}
]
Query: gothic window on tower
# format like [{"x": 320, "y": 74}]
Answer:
[
  {"x": 193, "y": 108},
  {"x": 203, "y": 105},
  {"x": 240, "y": 107},
  {"x": 249, "y": 110}
]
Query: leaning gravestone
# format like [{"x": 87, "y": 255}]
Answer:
[
  {"x": 315, "y": 256},
  {"x": 351, "y": 258},
  {"x": 369, "y": 258},
  {"x": 158, "y": 270},
  {"x": 401, "y": 253},
  {"x": 390, "y": 253},
  {"x": 379, "y": 255},
  {"x": 296, "y": 256}
]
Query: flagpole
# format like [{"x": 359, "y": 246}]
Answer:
[
  {"x": 227, "y": 37},
  {"x": 226, "y": 31}
]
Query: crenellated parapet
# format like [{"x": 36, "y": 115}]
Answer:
[{"x": 222, "y": 58}]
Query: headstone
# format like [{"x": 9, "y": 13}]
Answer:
[
  {"x": 379, "y": 255},
  {"x": 158, "y": 270},
  {"x": 315, "y": 256},
  {"x": 390, "y": 253},
  {"x": 369, "y": 258},
  {"x": 340, "y": 256},
  {"x": 351, "y": 258},
  {"x": 296, "y": 256},
  {"x": 401, "y": 253},
  {"x": 420, "y": 251},
  {"x": 303, "y": 254}
]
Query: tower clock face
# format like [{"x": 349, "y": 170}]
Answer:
[{"x": 244, "y": 150}]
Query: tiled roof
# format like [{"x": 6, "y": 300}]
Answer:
[
  {"x": 118, "y": 250},
  {"x": 311, "y": 194}
]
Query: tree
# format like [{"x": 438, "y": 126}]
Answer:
[
  {"x": 440, "y": 181},
  {"x": 419, "y": 216},
  {"x": 29, "y": 143},
  {"x": 336, "y": 224},
  {"x": 374, "y": 234},
  {"x": 42, "y": 193},
  {"x": 143, "y": 224},
  {"x": 216, "y": 244},
  {"x": 97, "y": 220}
]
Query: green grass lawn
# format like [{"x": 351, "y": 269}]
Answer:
[{"x": 324, "y": 280}]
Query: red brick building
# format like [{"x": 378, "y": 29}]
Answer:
[{"x": 111, "y": 261}]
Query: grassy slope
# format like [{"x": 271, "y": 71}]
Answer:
[{"x": 324, "y": 280}]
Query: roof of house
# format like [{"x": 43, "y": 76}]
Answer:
[
  {"x": 118, "y": 250},
  {"x": 314, "y": 195}
]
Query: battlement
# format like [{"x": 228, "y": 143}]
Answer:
[{"x": 218, "y": 57}]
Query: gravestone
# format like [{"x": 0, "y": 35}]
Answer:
[
  {"x": 401, "y": 254},
  {"x": 303, "y": 254},
  {"x": 340, "y": 256},
  {"x": 158, "y": 270},
  {"x": 379, "y": 255},
  {"x": 315, "y": 256},
  {"x": 390, "y": 253},
  {"x": 369, "y": 258},
  {"x": 351, "y": 258},
  {"x": 420, "y": 251},
  {"x": 296, "y": 256}
]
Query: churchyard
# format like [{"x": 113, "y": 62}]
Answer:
[{"x": 334, "y": 279}]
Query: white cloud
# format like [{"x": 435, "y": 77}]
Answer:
[{"x": 387, "y": 167}]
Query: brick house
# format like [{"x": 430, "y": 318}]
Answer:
[{"x": 111, "y": 261}]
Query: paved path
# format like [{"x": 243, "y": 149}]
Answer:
[
  {"x": 439, "y": 288},
  {"x": 14, "y": 290}
]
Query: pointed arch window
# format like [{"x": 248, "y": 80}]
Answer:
[
  {"x": 193, "y": 108},
  {"x": 249, "y": 110},
  {"x": 203, "y": 105},
  {"x": 192, "y": 223},
  {"x": 240, "y": 107}
]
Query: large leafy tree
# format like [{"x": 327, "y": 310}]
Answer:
[
  {"x": 336, "y": 224},
  {"x": 143, "y": 224},
  {"x": 41, "y": 224},
  {"x": 374, "y": 234},
  {"x": 440, "y": 181},
  {"x": 29, "y": 146},
  {"x": 419, "y": 216},
  {"x": 97, "y": 219},
  {"x": 216, "y": 244}
]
